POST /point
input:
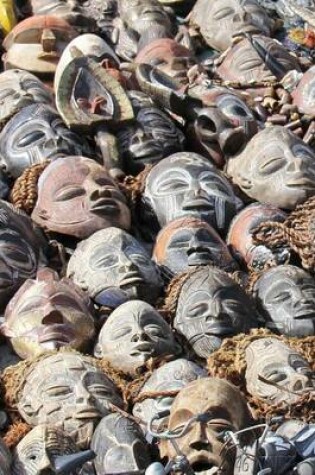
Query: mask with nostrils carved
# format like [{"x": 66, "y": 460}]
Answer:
[
  {"x": 77, "y": 197},
  {"x": 220, "y": 20},
  {"x": 69, "y": 391},
  {"x": 276, "y": 373},
  {"x": 225, "y": 409},
  {"x": 36, "y": 134},
  {"x": 112, "y": 259},
  {"x": 188, "y": 242},
  {"x": 304, "y": 94},
  {"x": 152, "y": 136},
  {"x": 46, "y": 314},
  {"x": 119, "y": 446},
  {"x": 243, "y": 64},
  {"x": 187, "y": 184},
  {"x": 276, "y": 167},
  {"x": 172, "y": 376},
  {"x": 287, "y": 298},
  {"x": 240, "y": 236},
  {"x": 210, "y": 307}
]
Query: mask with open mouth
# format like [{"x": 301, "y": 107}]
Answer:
[{"x": 132, "y": 334}]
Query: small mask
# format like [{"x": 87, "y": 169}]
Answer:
[
  {"x": 240, "y": 237},
  {"x": 113, "y": 259},
  {"x": 46, "y": 314},
  {"x": 77, "y": 197},
  {"x": 220, "y": 20},
  {"x": 287, "y": 298},
  {"x": 276, "y": 373},
  {"x": 132, "y": 334},
  {"x": 304, "y": 94},
  {"x": 186, "y": 184},
  {"x": 172, "y": 376},
  {"x": 210, "y": 307},
  {"x": 36, "y": 134},
  {"x": 226, "y": 409},
  {"x": 5, "y": 459},
  {"x": 282, "y": 173},
  {"x": 69, "y": 391},
  {"x": 243, "y": 63},
  {"x": 38, "y": 452},
  {"x": 119, "y": 446},
  {"x": 20, "y": 89},
  {"x": 150, "y": 137},
  {"x": 188, "y": 242}
]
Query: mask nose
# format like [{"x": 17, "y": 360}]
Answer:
[
  {"x": 127, "y": 266},
  {"x": 100, "y": 192},
  {"x": 51, "y": 315},
  {"x": 199, "y": 440},
  {"x": 82, "y": 395},
  {"x": 241, "y": 16},
  {"x": 139, "y": 336}
]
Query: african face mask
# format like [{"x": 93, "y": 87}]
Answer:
[
  {"x": 5, "y": 459},
  {"x": 188, "y": 242},
  {"x": 132, "y": 334},
  {"x": 240, "y": 237},
  {"x": 172, "y": 376},
  {"x": 36, "y": 134},
  {"x": 113, "y": 259},
  {"x": 119, "y": 446},
  {"x": 150, "y": 137},
  {"x": 226, "y": 410},
  {"x": 38, "y": 452},
  {"x": 68, "y": 391},
  {"x": 186, "y": 184},
  {"x": 77, "y": 197},
  {"x": 21, "y": 250},
  {"x": 287, "y": 297},
  {"x": 288, "y": 374},
  {"x": 243, "y": 63},
  {"x": 19, "y": 89},
  {"x": 48, "y": 313},
  {"x": 304, "y": 93},
  {"x": 220, "y": 20},
  {"x": 212, "y": 306},
  {"x": 276, "y": 167}
]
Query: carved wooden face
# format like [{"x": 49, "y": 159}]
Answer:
[
  {"x": 287, "y": 297},
  {"x": 113, "y": 259},
  {"x": 48, "y": 313},
  {"x": 288, "y": 374},
  {"x": 212, "y": 306},
  {"x": 77, "y": 197},
  {"x": 119, "y": 446},
  {"x": 132, "y": 334},
  {"x": 139, "y": 16},
  {"x": 304, "y": 93},
  {"x": 283, "y": 172},
  {"x": 67, "y": 390},
  {"x": 226, "y": 409}
]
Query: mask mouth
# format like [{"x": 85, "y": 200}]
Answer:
[
  {"x": 199, "y": 256},
  {"x": 204, "y": 467}
]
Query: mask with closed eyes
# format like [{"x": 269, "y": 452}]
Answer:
[
  {"x": 210, "y": 307},
  {"x": 187, "y": 184},
  {"x": 287, "y": 298},
  {"x": 112, "y": 259}
]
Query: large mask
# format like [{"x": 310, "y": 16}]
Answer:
[
  {"x": 168, "y": 56},
  {"x": 70, "y": 392},
  {"x": 240, "y": 237},
  {"x": 226, "y": 409},
  {"x": 276, "y": 167},
  {"x": 36, "y": 134},
  {"x": 287, "y": 298},
  {"x": 188, "y": 242},
  {"x": 186, "y": 184},
  {"x": 243, "y": 63},
  {"x": 113, "y": 259},
  {"x": 304, "y": 94},
  {"x": 276, "y": 373},
  {"x": 19, "y": 89},
  {"x": 21, "y": 250},
  {"x": 119, "y": 446},
  {"x": 38, "y": 452},
  {"x": 172, "y": 376},
  {"x": 132, "y": 334},
  {"x": 220, "y": 20},
  {"x": 150, "y": 137},
  {"x": 77, "y": 197},
  {"x": 5, "y": 459},
  {"x": 48, "y": 313},
  {"x": 210, "y": 307}
]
